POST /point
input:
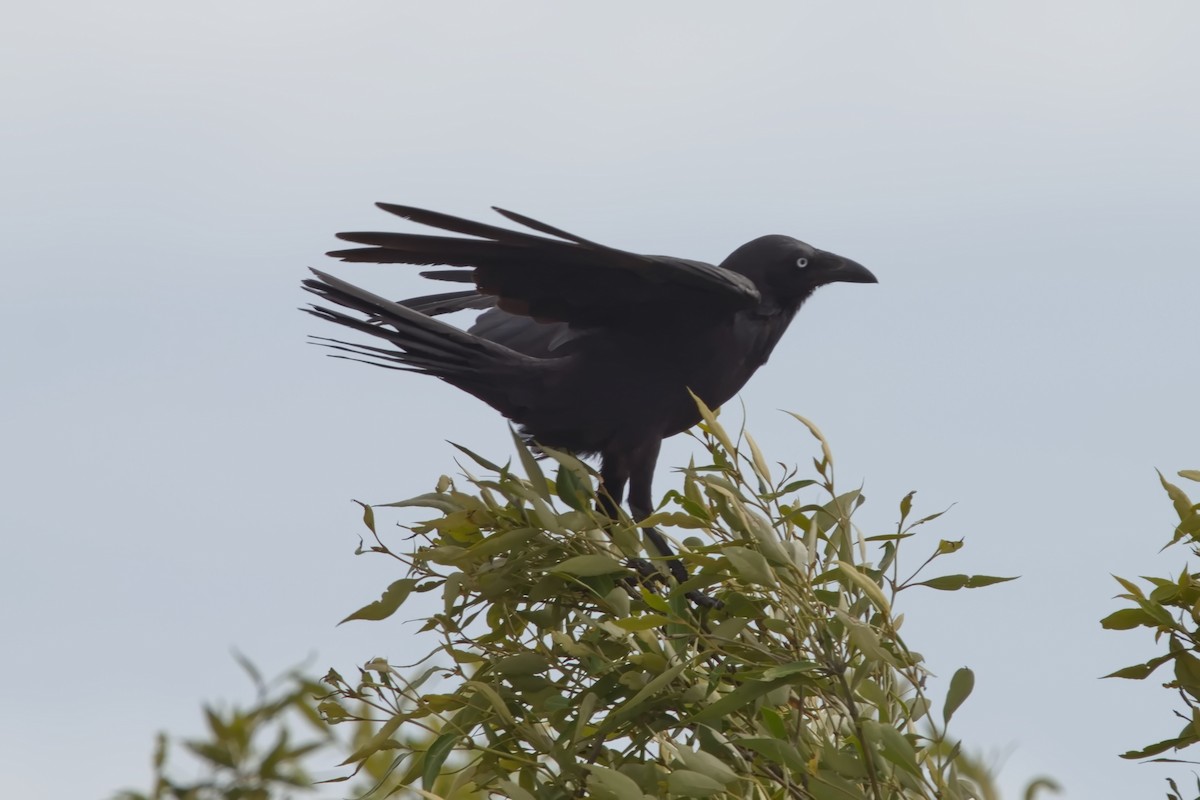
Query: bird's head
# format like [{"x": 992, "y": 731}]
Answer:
[{"x": 790, "y": 270}]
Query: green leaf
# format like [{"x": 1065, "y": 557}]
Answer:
[
  {"x": 688, "y": 783},
  {"x": 608, "y": 784},
  {"x": 951, "y": 583},
  {"x": 827, "y": 785},
  {"x": 522, "y": 664},
  {"x": 736, "y": 700},
  {"x": 589, "y": 566},
  {"x": 514, "y": 792},
  {"x": 497, "y": 543},
  {"x": 1190, "y": 526},
  {"x": 1139, "y": 671},
  {"x": 711, "y": 424},
  {"x": 1182, "y": 503},
  {"x": 673, "y": 519},
  {"x": 776, "y": 750},
  {"x": 368, "y": 515},
  {"x": 573, "y": 491},
  {"x": 826, "y": 454},
  {"x": 618, "y": 601},
  {"x": 767, "y": 538},
  {"x": 750, "y": 565},
  {"x": 214, "y": 753},
  {"x": 532, "y": 469},
  {"x": 1187, "y": 672},
  {"x": 707, "y": 764},
  {"x": 643, "y": 623},
  {"x": 379, "y": 741},
  {"x": 865, "y": 638},
  {"x": 654, "y": 601},
  {"x": 1131, "y": 587},
  {"x": 493, "y": 697},
  {"x": 1035, "y": 787},
  {"x": 1136, "y": 672},
  {"x": 633, "y": 705},
  {"x": 435, "y": 756},
  {"x": 756, "y": 458},
  {"x": 386, "y": 605},
  {"x": 1158, "y": 747},
  {"x": 868, "y": 587},
  {"x": 773, "y": 721},
  {"x": 480, "y": 460},
  {"x": 978, "y": 581},
  {"x": 787, "y": 670},
  {"x": 894, "y": 746},
  {"x": 906, "y": 506},
  {"x": 433, "y": 500},
  {"x": 961, "y": 684},
  {"x": 1127, "y": 619},
  {"x": 1190, "y": 474}
]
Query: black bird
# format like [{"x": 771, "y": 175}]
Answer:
[{"x": 587, "y": 348}]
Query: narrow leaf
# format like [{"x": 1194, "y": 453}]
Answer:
[
  {"x": 643, "y": 623},
  {"x": 816, "y": 432},
  {"x": 689, "y": 783},
  {"x": 435, "y": 756},
  {"x": 776, "y": 750},
  {"x": 978, "y": 581},
  {"x": 756, "y": 458},
  {"x": 480, "y": 460},
  {"x": 588, "y": 566},
  {"x": 737, "y": 699},
  {"x": 368, "y": 516},
  {"x": 710, "y": 422},
  {"x": 532, "y": 469},
  {"x": 386, "y": 605},
  {"x": 869, "y": 587}
]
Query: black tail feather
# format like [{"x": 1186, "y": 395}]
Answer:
[{"x": 418, "y": 337}]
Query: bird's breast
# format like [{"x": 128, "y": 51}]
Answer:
[{"x": 644, "y": 376}]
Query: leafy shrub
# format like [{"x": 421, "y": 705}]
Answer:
[{"x": 552, "y": 671}]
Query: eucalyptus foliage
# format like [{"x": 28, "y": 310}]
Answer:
[
  {"x": 548, "y": 668},
  {"x": 1169, "y": 606},
  {"x": 249, "y": 752}
]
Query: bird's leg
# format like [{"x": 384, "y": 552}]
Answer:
[
  {"x": 641, "y": 503},
  {"x": 614, "y": 474}
]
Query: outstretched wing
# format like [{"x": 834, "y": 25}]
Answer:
[
  {"x": 565, "y": 279},
  {"x": 537, "y": 339}
]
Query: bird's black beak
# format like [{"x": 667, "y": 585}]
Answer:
[{"x": 846, "y": 271}]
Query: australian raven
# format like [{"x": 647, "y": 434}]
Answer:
[{"x": 587, "y": 348}]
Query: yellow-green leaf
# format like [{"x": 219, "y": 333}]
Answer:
[
  {"x": 710, "y": 422},
  {"x": 589, "y": 566},
  {"x": 386, "y": 605},
  {"x": 643, "y": 623},
  {"x": 816, "y": 432},
  {"x": 869, "y": 587}
]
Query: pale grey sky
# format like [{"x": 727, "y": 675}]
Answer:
[{"x": 178, "y": 468}]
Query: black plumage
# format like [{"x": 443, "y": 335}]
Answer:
[{"x": 585, "y": 347}]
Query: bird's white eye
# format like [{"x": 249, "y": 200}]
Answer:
[{"x": 801, "y": 262}]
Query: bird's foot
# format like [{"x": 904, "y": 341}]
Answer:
[
  {"x": 651, "y": 576},
  {"x": 701, "y": 600},
  {"x": 648, "y": 574}
]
